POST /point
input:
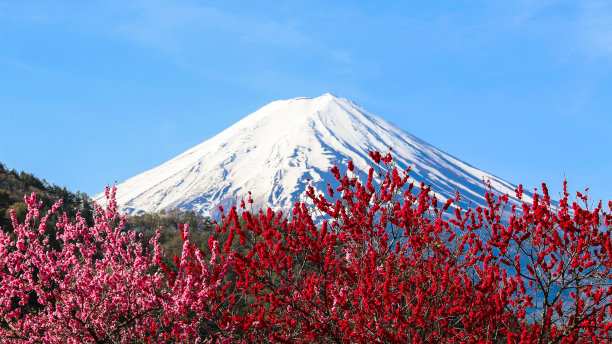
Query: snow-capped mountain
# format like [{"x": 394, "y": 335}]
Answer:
[{"x": 273, "y": 151}]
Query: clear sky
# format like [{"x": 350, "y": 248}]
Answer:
[{"x": 97, "y": 91}]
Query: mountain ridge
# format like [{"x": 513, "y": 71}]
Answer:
[{"x": 272, "y": 152}]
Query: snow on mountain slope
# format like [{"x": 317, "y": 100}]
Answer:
[{"x": 274, "y": 150}]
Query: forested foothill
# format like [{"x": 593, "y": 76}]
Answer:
[{"x": 14, "y": 185}]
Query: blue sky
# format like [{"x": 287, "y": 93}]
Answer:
[{"x": 97, "y": 91}]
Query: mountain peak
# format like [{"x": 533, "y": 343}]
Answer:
[
  {"x": 310, "y": 105},
  {"x": 273, "y": 151},
  {"x": 296, "y": 114},
  {"x": 324, "y": 96},
  {"x": 330, "y": 95}
]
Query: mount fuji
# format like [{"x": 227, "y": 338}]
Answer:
[{"x": 273, "y": 151}]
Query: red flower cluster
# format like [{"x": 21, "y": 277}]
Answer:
[{"x": 381, "y": 262}]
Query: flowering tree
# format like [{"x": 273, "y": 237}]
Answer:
[
  {"x": 101, "y": 286},
  {"x": 382, "y": 261},
  {"x": 378, "y": 264},
  {"x": 562, "y": 260},
  {"x": 198, "y": 296}
]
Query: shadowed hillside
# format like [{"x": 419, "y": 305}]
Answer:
[{"x": 14, "y": 185}]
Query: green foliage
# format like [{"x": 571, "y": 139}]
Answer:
[
  {"x": 168, "y": 222},
  {"x": 14, "y": 185}
]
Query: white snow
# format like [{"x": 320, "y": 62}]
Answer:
[{"x": 272, "y": 151}]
